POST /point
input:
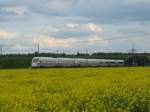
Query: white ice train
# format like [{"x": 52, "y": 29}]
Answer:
[{"x": 73, "y": 62}]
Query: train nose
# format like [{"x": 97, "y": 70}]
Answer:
[{"x": 34, "y": 65}]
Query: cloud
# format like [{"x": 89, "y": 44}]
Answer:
[
  {"x": 8, "y": 34},
  {"x": 59, "y": 5},
  {"x": 70, "y": 30},
  {"x": 76, "y": 30},
  {"x": 67, "y": 21},
  {"x": 88, "y": 26},
  {"x": 135, "y": 29},
  {"x": 102, "y": 11},
  {"x": 136, "y": 2},
  {"x": 47, "y": 41},
  {"x": 17, "y": 10},
  {"x": 17, "y": 46},
  {"x": 93, "y": 27},
  {"x": 72, "y": 25},
  {"x": 95, "y": 38}
]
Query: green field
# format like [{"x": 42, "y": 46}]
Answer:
[{"x": 75, "y": 90}]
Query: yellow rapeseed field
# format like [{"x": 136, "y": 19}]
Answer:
[{"x": 75, "y": 90}]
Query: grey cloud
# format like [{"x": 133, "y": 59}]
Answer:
[
  {"x": 135, "y": 29},
  {"x": 63, "y": 31},
  {"x": 107, "y": 11},
  {"x": 68, "y": 34}
]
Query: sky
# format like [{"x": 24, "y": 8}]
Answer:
[{"x": 75, "y": 25}]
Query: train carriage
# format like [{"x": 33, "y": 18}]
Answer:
[
  {"x": 66, "y": 62},
  {"x": 93, "y": 62}
]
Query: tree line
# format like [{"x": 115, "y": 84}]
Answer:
[{"x": 24, "y": 60}]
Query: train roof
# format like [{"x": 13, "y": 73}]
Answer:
[{"x": 81, "y": 59}]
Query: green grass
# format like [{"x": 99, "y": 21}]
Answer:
[{"x": 75, "y": 90}]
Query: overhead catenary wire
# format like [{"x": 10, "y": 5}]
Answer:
[{"x": 38, "y": 46}]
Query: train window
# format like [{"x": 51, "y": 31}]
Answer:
[
  {"x": 35, "y": 60},
  {"x": 112, "y": 62},
  {"x": 120, "y": 62}
]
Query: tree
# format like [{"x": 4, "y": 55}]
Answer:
[{"x": 137, "y": 61}]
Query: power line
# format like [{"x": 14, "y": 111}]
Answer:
[
  {"x": 133, "y": 50},
  {"x": 1, "y": 49},
  {"x": 79, "y": 42},
  {"x": 38, "y": 48}
]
